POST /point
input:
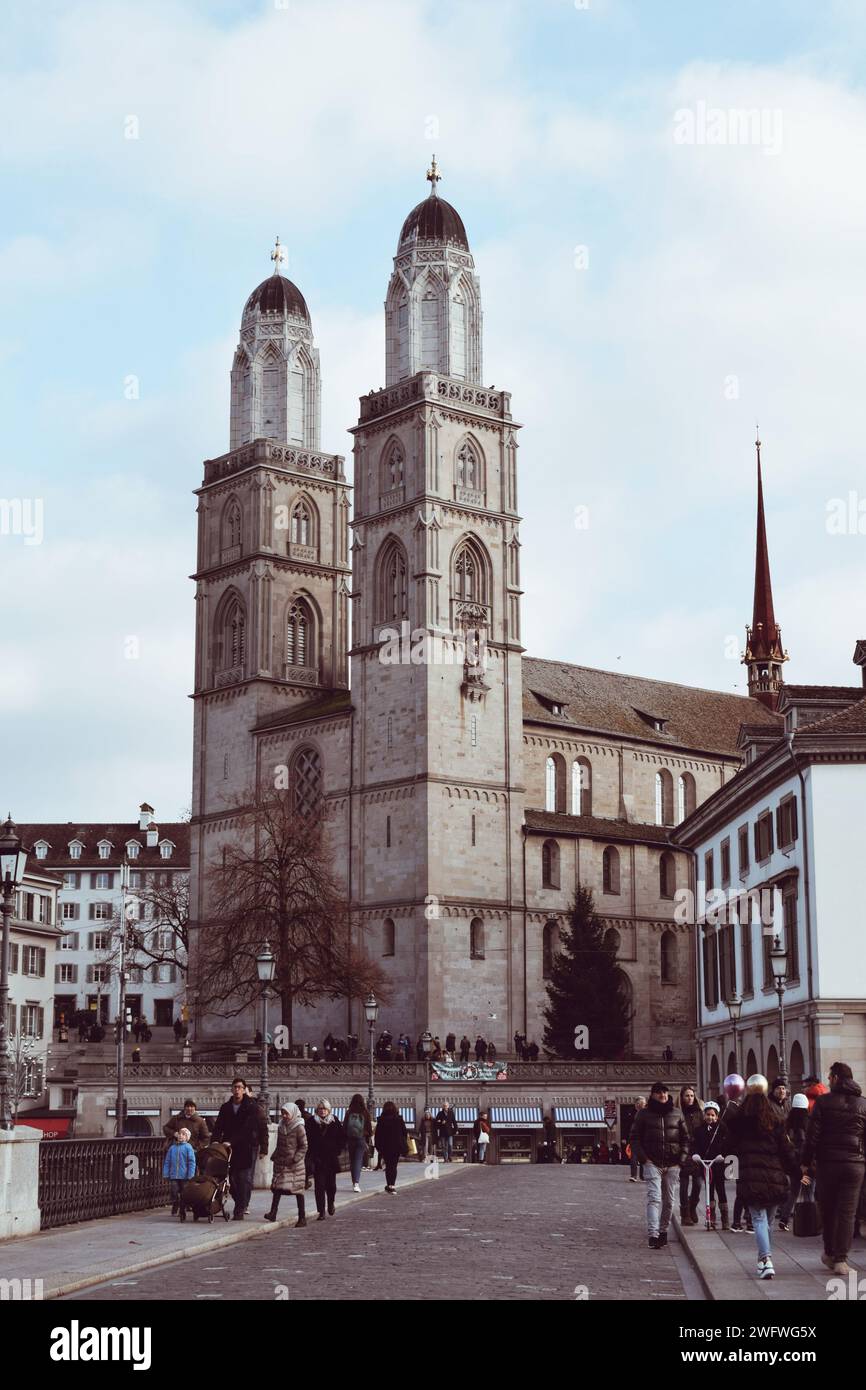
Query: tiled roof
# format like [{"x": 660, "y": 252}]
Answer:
[
  {"x": 59, "y": 835},
  {"x": 844, "y": 721},
  {"x": 609, "y": 702},
  {"x": 823, "y": 692},
  {"x": 337, "y": 702},
  {"x": 597, "y": 828}
]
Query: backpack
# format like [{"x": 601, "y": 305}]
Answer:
[{"x": 355, "y": 1125}]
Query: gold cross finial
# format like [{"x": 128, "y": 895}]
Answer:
[
  {"x": 758, "y": 441},
  {"x": 433, "y": 174},
  {"x": 278, "y": 255}
]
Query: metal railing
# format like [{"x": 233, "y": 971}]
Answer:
[
  {"x": 82, "y": 1179},
  {"x": 297, "y": 1070}
]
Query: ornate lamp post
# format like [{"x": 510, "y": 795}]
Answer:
[
  {"x": 427, "y": 1045},
  {"x": 13, "y": 861},
  {"x": 371, "y": 1013},
  {"x": 735, "y": 1008},
  {"x": 265, "y": 966},
  {"x": 779, "y": 963}
]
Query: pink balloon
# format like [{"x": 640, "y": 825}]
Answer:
[{"x": 733, "y": 1086}]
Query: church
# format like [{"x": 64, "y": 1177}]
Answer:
[{"x": 371, "y": 648}]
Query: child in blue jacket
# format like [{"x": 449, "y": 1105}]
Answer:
[{"x": 178, "y": 1165}]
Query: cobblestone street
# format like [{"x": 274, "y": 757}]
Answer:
[{"x": 505, "y": 1233}]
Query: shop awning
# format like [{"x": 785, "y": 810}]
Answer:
[
  {"x": 581, "y": 1116},
  {"x": 53, "y": 1127},
  {"x": 515, "y": 1116},
  {"x": 465, "y": 1114}
]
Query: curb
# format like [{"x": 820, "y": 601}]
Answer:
[
  {"x": 186, "y": 1253},
  {"x": 725, "y": 1266}
]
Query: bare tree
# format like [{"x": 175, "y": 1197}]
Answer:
[{"x": 276, "y": 884}]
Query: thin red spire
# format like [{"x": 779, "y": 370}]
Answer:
[
  {"x": 763, "y": 617},
  {"x": 764, "y": 654}
]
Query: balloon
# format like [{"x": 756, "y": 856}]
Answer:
[{"x": 733, "y": 1086}]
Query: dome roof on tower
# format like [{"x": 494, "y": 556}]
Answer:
[
  {"x": 278, "y": 295},
  {"x": 434, "y": 220}
]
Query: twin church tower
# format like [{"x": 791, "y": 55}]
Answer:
[
  {"x": 468, "y": 788},
  {"x": 420, "y": 765}
]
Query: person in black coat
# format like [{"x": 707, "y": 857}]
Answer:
[
  {"x": 836, "y": 1151},
  {"x": 329, "y": 1140},
  {"x": 795, "y": 1126},
  {"x": 690, "y": 1173},
  {"x": 660, "y": 1141},
  {"x": 756, "y": 1134},
  {"x": 309, "y": 1125},
  {"x": 242, "y": 1123},
  {"x": 391, "y": 1142}
]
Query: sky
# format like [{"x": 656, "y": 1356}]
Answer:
[{"x": 667, "y": 211}]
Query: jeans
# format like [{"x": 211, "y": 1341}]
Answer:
[
  {"x": 840, "y": 1185},
  {"x": 661, "y": 1187},
  {"x": 175, "y": 1184},
  {"x": 447, "y": 1147},
  {"x": 788, "y": 1205},
  {"x": 357, "y": 1154},
  {"x": 241, "y": 1186},
  {"x": 761, "y": 1223},
  {"x": 482, "y": 1153}
]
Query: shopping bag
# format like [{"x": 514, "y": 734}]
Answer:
[
  {"x": 412, "y": 1147},
  {"x": 807, "y": 1214}
]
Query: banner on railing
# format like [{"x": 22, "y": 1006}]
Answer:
[{"x": 469, "y": 1071}]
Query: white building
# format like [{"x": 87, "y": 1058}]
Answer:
[
  {"x": 33, "y": 947},
  {"x": 786, "y": 836},
  {"x": 89, "y": 857}
]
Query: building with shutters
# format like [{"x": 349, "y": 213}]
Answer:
[
  {"x": 87, "y": 859},
  {"x": 468, "y": 787},
  {"x": 33, "y": 944}
]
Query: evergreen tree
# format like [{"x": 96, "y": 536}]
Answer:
[{"x": 585, "y": 988}]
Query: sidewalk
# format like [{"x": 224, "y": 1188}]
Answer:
[
  {"x": 726, "y": 1265},
  {"x": 74, "y": 1257}
]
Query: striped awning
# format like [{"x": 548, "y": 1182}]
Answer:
[
  {"x": 465, "y": 1114},
  {"x": 407, "y": 1112},
  {"x": 515, "y": 1116},
  {"x": 584, "y": 1116}
]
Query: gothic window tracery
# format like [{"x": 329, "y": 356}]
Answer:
[
  {"x": 393, "y": 466},
  {"x": 299, "y": 626},
  {"x": 301, "y": 531},
  {"x": 232, "y": 525},
  {"x": 468, "y": 467},
  {"x": 306, "y": 782},
  {"x": 393, "y": 584}
]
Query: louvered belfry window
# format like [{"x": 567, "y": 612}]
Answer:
[{"x": 298, "y": 635}]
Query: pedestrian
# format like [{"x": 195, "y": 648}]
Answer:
[
  {"x": 242, "y": 1123},
  {"x": 813, "y": 1087},
  {"x": 136, "y": 1028},
  {"x": 636, "y": 1167},
  {"x": 359, "y": 1134},
  {"x": 426, "y": 1136},
  {"x": 446, "y": 1130},
  {"x": 465, "y": 1049},
  {"x": 480, "y": 1049},
  {"x": 615, "y": 1153},
  {"x": 289, "y": 1160},
  {"x": 197, "y": 1125},
  {"x": 834, "y": 1150},
  {"x": 328, "y": 1142},
  {"x": 391, "y": 1142},
  {"x": 690, "y": 1173},
  {"x": 795, "y": 1125},
  {"x": 450, "y": 1043},
  {"x": 136, "y": 1057},
  {"x": 707, "y": 1144},
  {"x": 779, "y": 1098},
  {"x": 481, "y": 1135},
  {"x": 436, "y": 1051},
  {"x": 661, "y": 1141},
  {"x": 178, "y": 1165},
  {"x": 178, "y": 1029},
  {"x": 755, "y": 1133},
  {"x": 419, "y": 1049},
  {"x": 519, "y": 1041},
  {"x": 548, "y": 1126},
  {"x": 532, "y": 1052},
  {"x": 309, "y": 1125},
  {"x": 491, "y": 1053}
]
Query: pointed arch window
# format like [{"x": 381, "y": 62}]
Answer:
[
  {"x": 549, "y": 941},
  {"x": 469, "y": 470},
  {"x": 550, "y": 864},
  {"x": 232, "y": 528},
  {"x": 299, "y": 628},
  {"x": 233, "y": 638},
  {"x": 469, "y": 579},
  {"x": 458, "y": 336},
  {"x": 393, "y": 584},
  {"x": 581, "y": 787},
  {"x": 476, "y": 939},
  {"x": 301, "y": 530},
  {"x": 610, "y": 870},
  {"x": 388, "y": 935},
  {"x": 686, "y": 799},
  {"x": 393, "y": 467},
  {"x": 669, "y": 957},
  {"x": 664, "y": 789},
  {"x": 667, "y": 875},
  {"x": 430, "y": 330},
  {"x": 554, "y": 783}
]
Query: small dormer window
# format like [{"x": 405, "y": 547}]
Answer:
[
  {"x": 555, "y": 708},
  {"x": 41, "y": 849},
  {"x": 656, "y": 722},
  {"x": 105, "y": 848},
  {"x": 165, "y": 849},
  {"x": 75, "y": 849},
  {"x": 132, "y": 849}
]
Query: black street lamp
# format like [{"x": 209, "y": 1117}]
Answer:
[
  {"x": 427, "y": 1048},
  {"x": 779, "y": 964},
  {"x": 13, "y": 861},
  {"x": 266, "y": 964},
  {"x": 371, "y": 1013},
  {"x": 735, "y": 1008}
]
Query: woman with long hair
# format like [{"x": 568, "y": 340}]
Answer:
[
  {"x": 756, "y": 1134},
  {"x": 391, "y": 1141},
  {"x": 359, "y": 1133}
]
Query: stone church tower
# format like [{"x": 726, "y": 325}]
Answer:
[
  {"x": 436, "y": 644},
  {"x": 272, "y": 572}
]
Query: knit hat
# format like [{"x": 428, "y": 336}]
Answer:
[
  {"x": 711, "y": 1105},
  {"x": 659, "y": 1086},
  {"x": 800, "y": 1102},
  {"x": 757, "y": 1084}
]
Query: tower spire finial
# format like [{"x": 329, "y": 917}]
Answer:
[
  {"x": 278, "y": 255},
  {"x": 433, "y": 176}
]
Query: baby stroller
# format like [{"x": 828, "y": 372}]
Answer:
[{"x": 206, "y": 1193}]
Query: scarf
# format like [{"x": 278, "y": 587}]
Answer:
[{"x": 294, "y": 1119}]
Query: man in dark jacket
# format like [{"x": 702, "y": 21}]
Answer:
[
  {"x": 660, "y": 1141},
  {"x": 835, "y": 1148},
  {"x": 446, "y": 1130},
  {"x": 779, "y": 1098},
  {"x": 242, "y": 1123},
  {"x": 187, "y": 1118}
]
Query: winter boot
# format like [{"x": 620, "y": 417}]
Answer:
[
  {"x": 275, "y": 1202},
  {"x": 693, "y": 1213},
  {"x": 302, "y": 1215},
  {"x": 685, "y": 1216},
  {"x": 723, "y": 1208},
  {"x": 712, "y": 1213}
]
